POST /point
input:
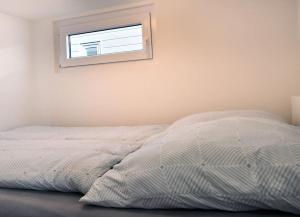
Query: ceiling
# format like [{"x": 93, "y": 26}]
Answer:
[{"x": 39, "y": 9}]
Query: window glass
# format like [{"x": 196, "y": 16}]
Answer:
[{"x": 110, "y": 41}]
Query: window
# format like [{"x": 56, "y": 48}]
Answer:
[
  {"x": 117, "y": 36},
  {"x": 110, "y": 41}
]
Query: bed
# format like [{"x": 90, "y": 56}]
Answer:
[
  {"x": 26, "y": 203},
  {"x": 232, "y": 163}
]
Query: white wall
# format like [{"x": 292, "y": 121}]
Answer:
[
  {"x": 208, "y": 55},
  {"x": 15, "y": 74}
]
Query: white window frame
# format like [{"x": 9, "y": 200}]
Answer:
[{"x": 103, "y": 21}]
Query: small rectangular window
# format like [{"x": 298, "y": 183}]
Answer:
[{"x": 101, "y": 38}]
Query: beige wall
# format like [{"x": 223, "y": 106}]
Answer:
[
  {"x": 208, "y": 55},
  {"x": 298, "y": 1},
  {"x": 15, "y": 60}
]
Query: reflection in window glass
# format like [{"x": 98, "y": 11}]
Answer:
[{"x": 117, "y": 40}]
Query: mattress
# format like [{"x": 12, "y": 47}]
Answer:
[{"x": 26, "y": 203}]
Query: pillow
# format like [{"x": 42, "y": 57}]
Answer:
[
  {"x": 233, "y": 164},
  {"x": 209, "y": 116},
  {"x": 60, "y": 165}
]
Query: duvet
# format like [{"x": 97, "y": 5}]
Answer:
[
  {"x": 65, "y": 159},
  {"x": 231, "y": 163},
  {"x": 234, "y": 161}
]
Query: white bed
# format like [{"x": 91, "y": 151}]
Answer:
[{"x": 158, "y": 167}]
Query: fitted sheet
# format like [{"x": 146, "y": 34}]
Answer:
[{"x": 27, "y": 203}]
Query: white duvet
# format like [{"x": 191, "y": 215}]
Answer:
[
  {"x": 65, "y": 159},
  {"x": 232, "y": 163},
  {"x": 237, "y": 161}
]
